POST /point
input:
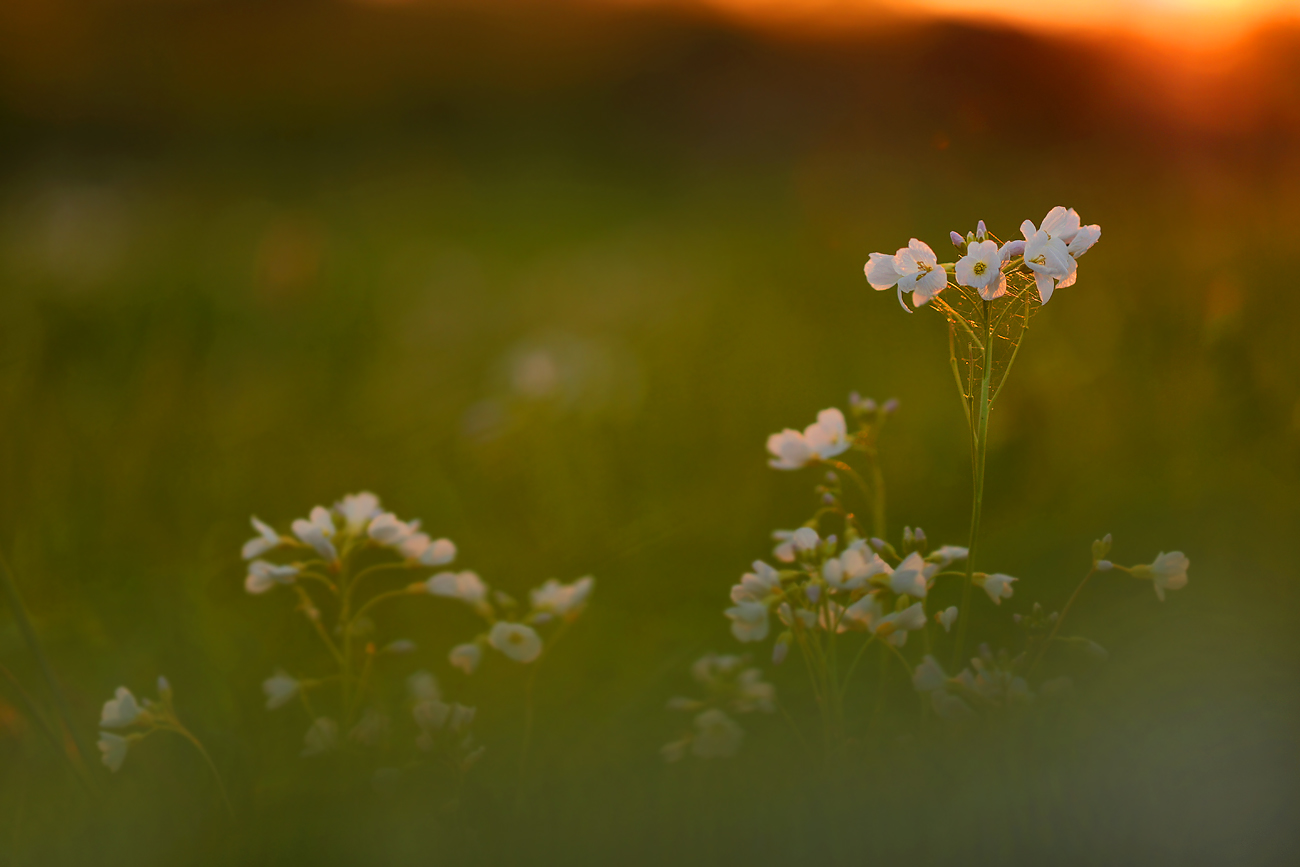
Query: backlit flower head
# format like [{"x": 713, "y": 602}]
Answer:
[
  {"x": 517, "y": 641},
  {"x": 821, "y": 440},
  {"x": 465, "y": 586},
  {"x": 262, "y": 576},
  {"x": 913, "y": 268},
  {"x": 280, "y": 689},
  {"x": 1168, "y": 572},
  {"x": 749, "y": 621},
  {"x": 112, "y": 749},
  {"x": 947, "y": 617},
  {"x": 121, "y": 710},
  {"x": 357, "y": 510},
  {"x": 317, "y": 531},
  {"x": 998, "y": 586},
  {"x": 466, "y": 657},
  {"x": 562, "y": 599},
  {"x": 265, "y": 540},
  {"x": 981, "y": 269},
  {"x": 756, "y": 586}
]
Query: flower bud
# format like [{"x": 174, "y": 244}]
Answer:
[
  {"x": 958, "y": 241},
  {"x": 782, "y": 647},
  {"x": 805, "y": 539},
  {"x": 1101, "y": 548},
  {"x": 1104, "y": 565},
  {"x": 890, "y": 406},
  {"x": 980, "y": 231}
]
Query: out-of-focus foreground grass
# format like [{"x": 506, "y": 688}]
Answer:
[{"x": 552, "y": 304}]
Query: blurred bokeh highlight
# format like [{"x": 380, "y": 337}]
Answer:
[{"x": 546, "y": 275}]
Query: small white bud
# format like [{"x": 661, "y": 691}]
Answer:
[{"x": 1104, "y": 565}]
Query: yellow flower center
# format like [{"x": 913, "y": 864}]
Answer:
[{"x": 980, "y": 268}]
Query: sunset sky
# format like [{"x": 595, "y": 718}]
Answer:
[{"x": 1190, "y": 21}]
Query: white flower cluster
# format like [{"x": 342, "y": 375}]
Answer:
[
  {"x": 138, "y": 719},
  {"x": 349, "y": 541},
  {"x": 731, "y": 685},
  {"x": 1049, "y": 252},
  {"x": 854, "y": 585}
]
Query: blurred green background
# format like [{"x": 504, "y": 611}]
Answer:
[{"x": 546, "y": 277}]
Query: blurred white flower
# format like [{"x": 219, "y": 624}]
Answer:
[
  {"x": 853, "y": 568},
  {"x": 465, "y": 586},
  {"x": 562, "y": 599},
  {"x": 262, "y": 576},
  {"x": 466, "y": 657},
  {"x": 894, "y": 627},
  {"x": 981, "y": 269},
  {"x": 913, "y": 268},
  {"x": 400, "y": 646},
  {"x": 265, "y": 540},
  {"x": 112, "y": 750},
  {"x": 423, "y": 686},
  {"x": 790, "y": 451},
  {"x": 863, "y": 614},
  {"x": 947, "y": 617},
  {"x": 1168, "y": 572},
  {"x": 280, "y": 689},
  {"x": 946, "y": 555},
  {"x": 517, "y": 641},
  {"x": 828, "y": 436},
  {"x": 121, "y": 711},
  {"x": 317, "y": 532},
  {"x": 386, "y": 529},
  {"x": 716, "y": 735},
  {"x": 753, "y": 693},
  {"x": 998, "y": 587},
  {"x": 322, "y": 737},
  {"x": 805, "y": 539},
  {"x": 912, "y": 576},
  {"x": 784, "y": 550},
  {"x": 357, "y": 510},
  {"x": 439, "y": 553},
  {"x": 749, "y": 621},
  {"x": 711, "y": 668},
  {"x": 928, "y": 675},
  {"x": 756, "y": 586}
]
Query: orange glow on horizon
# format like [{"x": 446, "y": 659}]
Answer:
[{"x": 1189, "y": 22}]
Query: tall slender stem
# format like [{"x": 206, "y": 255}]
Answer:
[
  {"x": 980, "y": 432},
  {"x": 1056, "y": 627},
  {"x": 212, "y": 766},
  {"x": 47, "y": 670}
]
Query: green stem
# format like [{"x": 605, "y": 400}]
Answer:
[
  {"x": 1057, "y": 626},
  {"x": 853, "y": 666},
  {"x": 529, "y": 713},
  {"x": 980, "y": 433},
  {"x": 47, "y": 670},
  {"x": 216, "y": 775},
  {"x": 38, "y": 718}
]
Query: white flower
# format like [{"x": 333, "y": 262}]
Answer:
[
  {"x": 929, "y": 675},
  {"x": 805, "y": 539},
  {"x": 784, "y": 550},
  {"x": 280, "y": 689},
  {"x": 423, "y": 686},
  {"x": 754, "y": 693},
  {"x": 712, "y": 667},
  {"x": 789, "y": 449},
  {"x": 946, "y": 555},
  {"x": 262, "y": 576},
  {"x": 265, "y": 540},
  {"x": 998, "y": 587},
  {"x": 913, "y": 268},
  {"x": 322, "y": 737},
  {"x": 981, "y": 269},
  {"x": 439, "y": 553},
  {"x": 757, "y": 585},
  {"x": 317, "y": 532},
  {"x": 120, "y": 711},
  {"x": 465, "y": 586},
  {"x": 716, "y": 735},
  {"x": 562, "y": 599},
  {"x": 828, "y": 436},
  {"x": 854, "y": 567},
  {"x": 1046, "y": 253},
  {"x": 863, "y": 614},
  {"x": 357, "y": 510},
  {"x": 894, "y": 627},
  {"x": 947, "y": 617},
  {"x": 1083, "y": 241},
  {"x": 749, "y": 621},
  {"x": 912, "y": 576},
  {"x": 466, "y": 657},
  {"x": 113, "y": 750},
  {"x": 386, "y": 529},
  {"x": 517, "y": 641},
  {"x": 1168, "y": 572}
]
